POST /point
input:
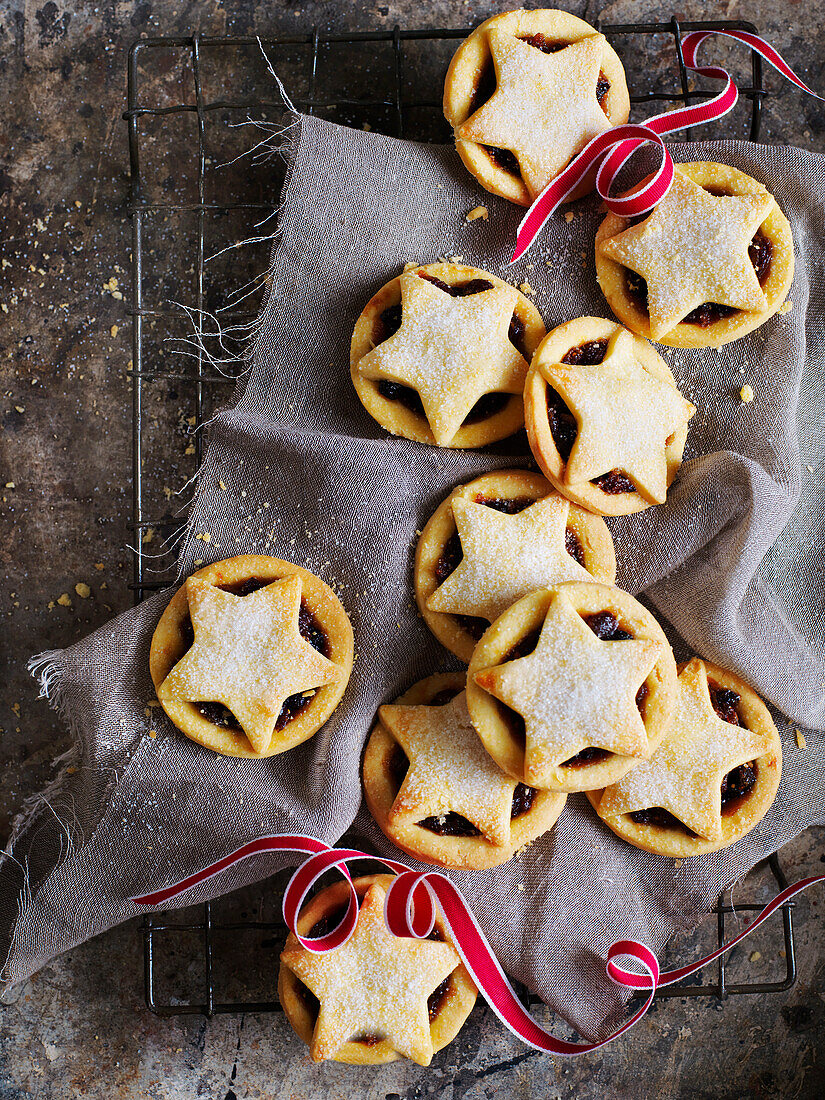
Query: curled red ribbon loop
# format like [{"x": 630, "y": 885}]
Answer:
[
  {"x": 612, "y": 149},
  {"x": 414, "y": 897}
]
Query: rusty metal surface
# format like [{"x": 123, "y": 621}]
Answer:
[{"x": 79, "y": 1027}]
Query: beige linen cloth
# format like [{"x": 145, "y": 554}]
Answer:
[{"x": 732, "y": 565}]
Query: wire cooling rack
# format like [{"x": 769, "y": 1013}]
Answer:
[{"x": 196, "y": 104}]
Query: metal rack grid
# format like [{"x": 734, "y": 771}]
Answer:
[{"x": 401, "y": 105}]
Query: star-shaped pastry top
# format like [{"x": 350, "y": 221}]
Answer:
[
  {"x": 449, "y": 769},
  {"x": 376, "y": 984},
  {"x": 685, "y": 773},
  {"x": 625, "y": 416},
  {"x": 248, "y": 654},
  {"x": 506, "y": 556},
  {"x": 693, "y": 249},
  {"x": 544, "y": 108},
  {"x": 452, "y": 350},
  {"x": 574, "y": 691}
]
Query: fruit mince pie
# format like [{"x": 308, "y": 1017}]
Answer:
[
  {"x": 440, "y": 354},
  {"x": 435, "y": 791},
  {"x": 494, "y": 540},
  {"x": 572, "y": 684},
  {"x": 712, "y": 779},
  {"x": 526, "y": 92},
  {"x": 713, "y": 261},
  {"x": 605, "y": 420},
  {"x": 378, "y": 997},
  {"x": 251, "y": 656}
]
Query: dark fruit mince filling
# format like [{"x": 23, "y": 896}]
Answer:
[
  {"x": 452, "y": 824},
  {"x": 436, "y": 998},
  {"x": 605, "y": 626},
  {"x": 562, "y": 423},
  {"x": 760, "y": 253},
  {"x": 724, "y": 702},
  {"x": 587, "y": 756},
  {"x": 661, "y": 819},
  {"x": 389, "y": 322},
  {"x": 504, "y": 159},
  {"x": 310, "y": 630}
]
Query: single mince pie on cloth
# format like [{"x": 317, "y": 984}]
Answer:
[
  {"x": 526, "y": 92},
  {"x": 605, "y": 420},
  {"x": 711, "y": 780},
  {"x": 572, "y": 684},
  {"x": 494, "y": 540},
  {"x": 440, "y": 355},
  {"x": 378, "y": 997},
  {"x": 713, "y": 261},
  {"x": 251, "y": 656},
  {"x": 436, "y": 792}
]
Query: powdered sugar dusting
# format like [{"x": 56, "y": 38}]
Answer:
[
  {"x": 452, "y": 350},
  {"x": 575, "y": 691},
  {"x": 506, "y": 556},
  {"x": 248, "y": 654},
  {"x": 544, "y": 108},
  {"x": 684, "y": 775},
  {"x": 449, "y": 769},
  {"x": 376, "y": 984},
  {"x": 625, "y": 413},
  {"x": 693, "y": 249}
]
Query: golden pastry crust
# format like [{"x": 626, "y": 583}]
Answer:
[
  {"x": 381, "y": 788},
  {"x": 504, "y": 739},
  {"x": 743, "y": 815},
  {"x": 719, "y": 179},
  {"x": 170, "y": 643},
  {"x": 472, "y": 63},
  {"x": 559, "y": 342},
  {"x": 453, "y": 1009},
  {"x": 403, "y": 421},
  {"x": 590, "y": 533}
]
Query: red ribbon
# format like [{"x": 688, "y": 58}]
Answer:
[
  {"x": 413, "y": 899},
  {"x": 612, "y": 150}
]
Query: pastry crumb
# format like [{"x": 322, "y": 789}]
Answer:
[
  {"x": 476, "y": 213},
  {"x": 113, "y": 331},
  {"x": 800, "y": 739},
  {"x": 64, "y": 600},
  {"x": 221, "y": 485},
  {"x": 204, "y": 536},
  {"x": 153, "y": 734},
  {"x": 98, "y": 565},
  {"x": 149, "y": 534},
  {"x": 786, "y": 307},
  {"x": 569, "y": 216},
  {"x": 525, "y": 288},
  {"x": 746, "y": 394},
  {"x": 677, "y": 863},
  {"x": 83, "y": 590},
  {"x": 10, "y": 485},
  {"x": 755, "y": 956},
  {"x": 190, "y": 450},
  {"x": 456, "y": 259},
  {"x": 198, "y": 561}
]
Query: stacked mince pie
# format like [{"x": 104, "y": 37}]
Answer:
[{"x": 571, "y": 685}]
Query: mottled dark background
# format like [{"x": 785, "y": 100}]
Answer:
[{"x": 79, "y": 1027}]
